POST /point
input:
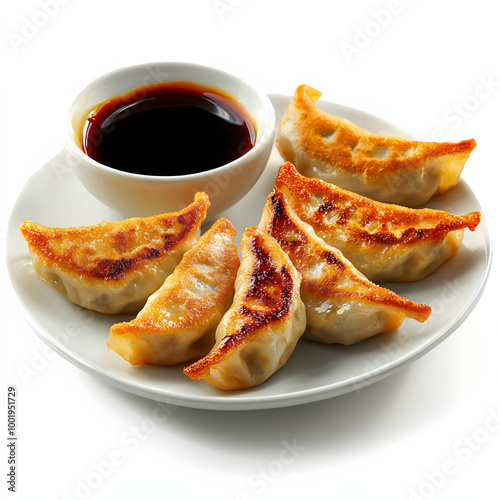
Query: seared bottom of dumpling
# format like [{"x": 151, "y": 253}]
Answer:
[
  {"x": 342, "y": 305},
  {"x": 179, "y": 320},
  {"x": 385, "y": 168},
  {"x": 113, "y": 267},
  {"x": 384, "y": 242},
  {"x": 260, "y": 331}
]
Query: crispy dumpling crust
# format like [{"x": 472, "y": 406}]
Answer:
[
  {"x": 384, "y": 242},
  {"x": 342, "y": 306},
  {"x": 261, "y": 329},
  {"x": 385, "y": 168},
  {"x": 179, "y": 320},
  {"x": 113, "y": 267}
]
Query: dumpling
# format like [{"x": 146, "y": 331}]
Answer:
[
  {"x": 384, "y": 242},
  {"x": 342, "y": 306},
  {"x": 266, "y": 319},
  {"x": 385, "y": 168},
  {"x": 178, "y": 322},
  {"x": 113, "y": 267}
]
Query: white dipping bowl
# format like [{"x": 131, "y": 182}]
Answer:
[{"x": 137, "y": 195}]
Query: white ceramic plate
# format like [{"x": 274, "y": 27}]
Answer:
[{"x": 53, "y": 196}]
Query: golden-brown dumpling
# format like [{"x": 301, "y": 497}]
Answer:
[
  {"x": 342, "y": 306},
  {"x": 385, "y": 168},
  {"x": 113, "y": 267},
  {"x": 261, "y": 329},
  {"x": 384, "y": 242},
  {"x": 178, "y": 322}
]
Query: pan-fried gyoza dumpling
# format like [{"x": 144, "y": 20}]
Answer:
[
  {"x": 113, "y": 267},
  {"x": 384, "y": 242},
  {"x": 178, "y": 322},
  {"x": 385, "y": 168},
  {"x": 267, "y": 317},
  {"x": 342, "y": 306}
]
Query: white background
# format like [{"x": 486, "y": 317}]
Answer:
[{"x": 428, "y": 431}]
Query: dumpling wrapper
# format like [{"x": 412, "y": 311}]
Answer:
[
  {"x": 384, "y": 168},
  {"x": 260, "y": 331},
  {"x": 384, "y": 242},
  {"x": 342, "y": 306},
  {"x": 179, "y": 320},
  {"x": 113, "y": 267}
]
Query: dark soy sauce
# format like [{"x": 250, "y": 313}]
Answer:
[{"x": 170, "y": 128}]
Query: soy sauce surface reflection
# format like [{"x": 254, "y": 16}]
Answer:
[{"x": 172, "y": 128}]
